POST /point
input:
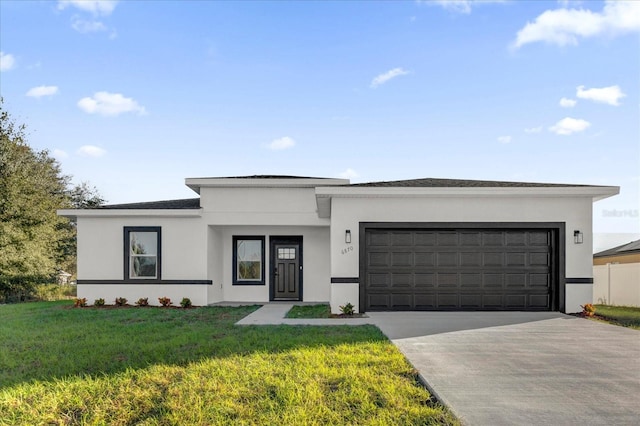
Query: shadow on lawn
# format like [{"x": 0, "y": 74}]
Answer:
[{"x": 49, "y": 340}]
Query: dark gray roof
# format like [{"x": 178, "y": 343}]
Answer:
[
  {"x": 264, "y": 177},
  {"x": 628, "y": 248},
  {"x": 186, "y": 203},
  {"x": 460, "y": 183}
]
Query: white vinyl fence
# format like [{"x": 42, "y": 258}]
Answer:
[{"x": 617, "y": 284}]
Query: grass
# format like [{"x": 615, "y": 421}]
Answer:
[
  {"x": 310, "y": 311},
  {"x": 60, "y": 365},
  {"x": 625, "y": 316}
]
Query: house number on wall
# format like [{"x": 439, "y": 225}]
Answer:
[{"x": 347, "y": 250}]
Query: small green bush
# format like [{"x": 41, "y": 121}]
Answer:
[
  {"x": 121, "y": 301},
  {"x": 186, "y": 302},
  {"x": 165, "y": 301},
  {"x": 98, "y": 302},
  {"x": 143, "y": 301},
  {"x": 348, "y": 309}
]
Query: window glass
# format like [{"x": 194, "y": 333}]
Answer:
[
  {"x": 143, "y": 253},
  {"x": 286, "y": 253},
  {"x": 249, "y": 260}
]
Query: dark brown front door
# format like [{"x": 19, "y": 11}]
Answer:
[{"x": 286, "y": 268}]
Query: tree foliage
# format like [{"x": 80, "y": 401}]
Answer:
[{"x": 34, "y": 241}]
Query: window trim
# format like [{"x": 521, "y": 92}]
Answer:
[
  {"x": 127, "y": 231},
  {"x": 234, "y": 264}
]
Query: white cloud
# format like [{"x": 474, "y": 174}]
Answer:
[
  {"x": 7, "y": 61},
  {"x": 569, "y": 125},
  {"x": 533, "y": 129},
  {"x": 384, "y": 77},
  {"x": 59, "y": 154},
  {"x": 90, "y": 151},
  {"x": 504, "y": 139},
  {"x": 458, "y": 6},
  {"x": 349, "y": 174},
  {"x": 109, "y": 104},
  {"x": 97, "y": 7},
  {"x": 84, "y": 27},
  {"x": 567, "y": 103},
  {"x": 282, "y": 143},
  {"x": 609, "y": 95},
  {"x": 565, "y": 26},
  {"x": 40, "y": 91}
]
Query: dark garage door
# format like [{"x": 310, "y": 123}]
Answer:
[{"x": 459, "y": 269}]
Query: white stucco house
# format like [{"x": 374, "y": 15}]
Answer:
[{"x": 423, "y": 244}]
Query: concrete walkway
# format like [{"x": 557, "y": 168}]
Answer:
[{"x": 273, "y": 314}]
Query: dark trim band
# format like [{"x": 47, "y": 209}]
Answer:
[
  {"x": 578, "y": 280},
  {"x": 147, "y": 282},
  {"x": 345, "y": 280}
]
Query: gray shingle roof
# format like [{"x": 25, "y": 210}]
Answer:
[
  {"x": 460, "y": 183},
  {"x": 628, "y": 248},
  {"x": 264, "y": 177},
  {"x": 186, "y": 203}
]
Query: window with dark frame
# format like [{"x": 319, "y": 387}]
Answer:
[
  {"x": 142, "y": 248},
  {"x": 248, "y": 260}
]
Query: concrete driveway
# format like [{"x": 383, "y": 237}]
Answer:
[{"x": 518, "y": 368}]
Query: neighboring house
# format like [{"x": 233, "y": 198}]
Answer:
[
  {"x": 616, "y": 274},
  {"x": 63, "y": 277},
  {"x": 423, "y": 244}
]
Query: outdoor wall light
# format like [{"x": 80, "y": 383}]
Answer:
[
  {"x": 577, "y": 237},
  {"x": 347, "y": 236}
]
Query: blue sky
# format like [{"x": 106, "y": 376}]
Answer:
[{"x": 135, "y": 96}]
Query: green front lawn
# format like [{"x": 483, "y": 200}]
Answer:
[
  {"x": 309, "y": 311},
  {"x": 60, "y": 365},
  {"x": 626, "y": 316}
]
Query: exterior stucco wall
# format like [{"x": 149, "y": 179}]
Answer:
[
  {"x": 576, "y": 212},
  {"x": 101, "y": 247},
  {"x": 316, "y": 268},
  {"x": 260, "y": 206}
]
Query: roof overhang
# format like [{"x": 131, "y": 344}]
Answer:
[
  {"x": 95, "y": 213},
  {"x": 325, "y": 194},
  {"x": 197, "y": 183}
]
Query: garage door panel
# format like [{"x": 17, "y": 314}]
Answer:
[
  {"x": 378, "y": 239},
  {"x": 427, "y": 239},
  {"x": 486, "y": 269},
  {"x": 447, "y": 280},
  {"x": 424, "y": 258},
  {"x": 470, "y": 259},
  {"x": 539, "y": 259},
  {"x": 470, "y": 239},
  {"x": 402, "y": 258},
  {"x": 447, "y": 239},
  {"x": 540, "y": 301},
  {"x": 402, "y": 239},
  {"x": 516, "y": 280},
  {"x": 447, "y": 259},
  {"x": 471, "y": 281},
  {"x": 516, "y": 301},
  {"x": 382, "y": 280},
  {"x": 539, "y": 280},
  {"x": 516, "y": 259},
  {"x": 401, "y": 280},
  {"x": 538, "y": 238},
  {"x": 470, "y": 301},
  {"x": 492, "y": 239},
  {"x": 424, "y": 280}
]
